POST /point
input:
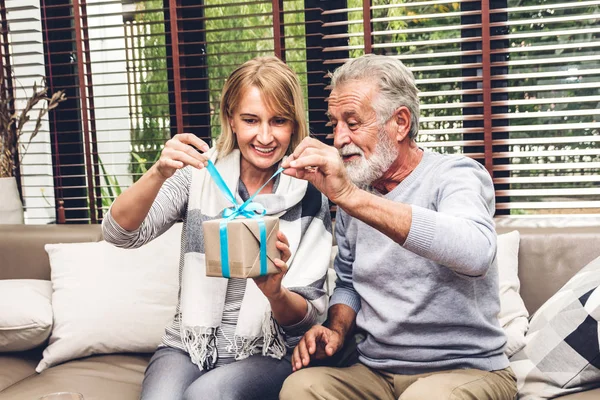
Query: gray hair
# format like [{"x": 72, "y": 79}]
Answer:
[{"x": 395, "y": 82}]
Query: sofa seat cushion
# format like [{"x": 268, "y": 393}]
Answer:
[
  {"x": 15, "y": 367},
  {"x": 97, "y": 378},
  {"x": 588, "y": 395}
]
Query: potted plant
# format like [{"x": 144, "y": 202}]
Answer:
[{"x": 12, "y": 149}]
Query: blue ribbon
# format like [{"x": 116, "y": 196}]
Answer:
[{"x": 248, "y": 209}]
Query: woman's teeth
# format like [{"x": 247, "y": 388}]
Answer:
[{"x": 265, "y": 150}]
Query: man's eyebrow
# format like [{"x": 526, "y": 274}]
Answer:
[{"x": 345, "y": 114}]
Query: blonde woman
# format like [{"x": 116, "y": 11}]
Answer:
[{"x": 232, "y": 338}]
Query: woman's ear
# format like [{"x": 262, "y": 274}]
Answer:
[{"x": 232, "y": 125}]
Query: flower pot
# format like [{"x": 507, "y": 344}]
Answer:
[{"x": 11, "y": 208}]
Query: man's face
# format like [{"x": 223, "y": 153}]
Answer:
[{"x": 367, "y": 150}]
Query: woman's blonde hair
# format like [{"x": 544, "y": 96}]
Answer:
[{"x": 280, "y": 90}]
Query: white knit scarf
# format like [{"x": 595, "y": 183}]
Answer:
[{"x": 203, "y": 298}]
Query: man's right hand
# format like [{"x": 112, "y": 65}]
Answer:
[
  {"x": 318, "y": 343},
  {"x": 322, "y": 166}
]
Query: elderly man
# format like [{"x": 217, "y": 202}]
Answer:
[{"x": 416, "y": 263}]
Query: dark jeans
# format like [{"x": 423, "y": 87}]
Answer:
[{"x": 171, "y": 375}]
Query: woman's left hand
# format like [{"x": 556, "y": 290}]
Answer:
[{"x": 270, "y": 285}]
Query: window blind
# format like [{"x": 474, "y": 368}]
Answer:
[
  {"x": 545, "y": 102},
  {"x": 512, "y": 84}
]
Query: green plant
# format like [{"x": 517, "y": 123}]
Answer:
[
  {"x": 112, "y": 188},
  {"x": 142, "y": 163},
  {"x": 150, "y": 125},
  {"x": 247, "y": 28}
]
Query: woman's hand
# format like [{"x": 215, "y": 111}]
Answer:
[
  {"x": 178, "y": 152},
  {"x": 270, "y": 285},
  {"x": 132, "y": 206}
]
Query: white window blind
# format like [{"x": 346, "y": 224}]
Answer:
[{"x": 512, "y": 84}]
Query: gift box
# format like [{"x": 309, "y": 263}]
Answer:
[{"x": 243, "y": 246}]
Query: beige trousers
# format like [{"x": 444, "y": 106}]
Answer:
[{"x": 359, "y": 382}]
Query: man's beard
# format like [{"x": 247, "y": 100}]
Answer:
[{"x": 364, "y": 171}]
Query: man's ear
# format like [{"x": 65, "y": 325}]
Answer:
[{"x": 402, "y": 122}]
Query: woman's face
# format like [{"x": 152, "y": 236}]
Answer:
[{"x": 262, "y": 136}]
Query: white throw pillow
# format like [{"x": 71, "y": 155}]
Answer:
[
  {"x": 25, "y": 313},
  {"x": 111, "y": 300},
  {"x": 513, "y": 313}
]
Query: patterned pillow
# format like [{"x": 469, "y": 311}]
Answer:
[{"x": 562, "y": 354}]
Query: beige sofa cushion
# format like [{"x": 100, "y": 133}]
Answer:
[
  {"x": 15, "y": 367},
  {"x": 551, "y": 251},
  {"x": 588, "y": 395},
  {"x": 97, "y": 378},
  {"x": 100, "y": 378},
  {"x": 22, "y": 254}
]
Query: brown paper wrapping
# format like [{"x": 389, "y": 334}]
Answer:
[{"x": 243, "y": 240}]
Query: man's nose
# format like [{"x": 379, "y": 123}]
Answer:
[{"x": 341, "y": 135}]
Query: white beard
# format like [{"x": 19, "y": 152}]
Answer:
[{"x": 364, "y": 171}]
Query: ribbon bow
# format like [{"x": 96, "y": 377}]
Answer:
[{"x": 248, "y": 209}]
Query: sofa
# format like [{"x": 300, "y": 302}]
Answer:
[{"x": 551, "y": 251}]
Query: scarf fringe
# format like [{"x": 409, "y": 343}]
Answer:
[
  {"x": 246, "y": 347},
  {"x": 273, "y": 342},
  {"x": 201, "y": 345}
]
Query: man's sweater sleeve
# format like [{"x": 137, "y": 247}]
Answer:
[
  {"x": 344, "y": 292},
  {"x": 459, "y": 233}
]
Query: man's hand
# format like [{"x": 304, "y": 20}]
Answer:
[
  {"x": 322, "y": 166},
  {"x": 318, "y": 343}
]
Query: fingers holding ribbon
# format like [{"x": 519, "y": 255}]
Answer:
[
  {"x": 193, "y": 140},
  {"x": 322, "y": 166},
  {"x": 179, "y": 151}
]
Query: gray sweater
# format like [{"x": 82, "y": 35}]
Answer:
[{"x": 431, "y": 304}]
